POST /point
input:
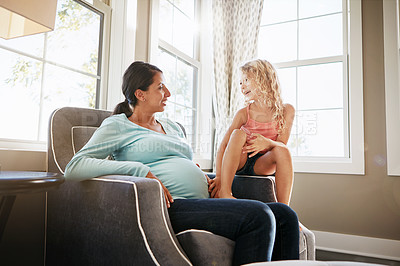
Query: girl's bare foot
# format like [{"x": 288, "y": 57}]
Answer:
[{"x": 224, "y": 195}]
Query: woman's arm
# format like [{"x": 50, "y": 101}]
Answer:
[{"x": 90, "y": 161}]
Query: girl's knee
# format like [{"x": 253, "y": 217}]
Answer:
[
  {"x": 281, "y": 151},
  {"x": 238, "y": 135}
]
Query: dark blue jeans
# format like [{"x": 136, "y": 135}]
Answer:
[{"x": 253, "y": 225}]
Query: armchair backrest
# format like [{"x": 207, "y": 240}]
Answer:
[{"x": 70, "y": 128}]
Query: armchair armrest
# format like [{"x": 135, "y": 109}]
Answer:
[
  {"x": 260, "y": 188},
  {"x": 111, "y": 220}
]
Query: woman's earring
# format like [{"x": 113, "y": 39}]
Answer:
[{"x": 144, "y": 99}]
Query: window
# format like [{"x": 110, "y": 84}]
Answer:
[
  {"x": 43, "y": 72},
  {"x": 177, "y": 58},
  {"x": 313, "y": 44},
  {"x": 178, "y": 48}
]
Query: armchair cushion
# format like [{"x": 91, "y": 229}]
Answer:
[{"x": 80, "y": 136}]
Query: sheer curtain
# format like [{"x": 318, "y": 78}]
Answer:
[{"x": 236, "y": 24}]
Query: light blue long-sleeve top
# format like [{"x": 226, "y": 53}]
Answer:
[{"x": 138, "y": 150}]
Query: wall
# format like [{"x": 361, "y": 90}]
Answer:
[
  {"x": 366, "y": 205},
  {"x": 14, "y": 160}
]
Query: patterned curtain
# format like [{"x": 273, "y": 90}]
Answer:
[{"x": 236, "y": 24}]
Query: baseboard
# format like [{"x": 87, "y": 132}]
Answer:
[{"x": 358, "y": 245}]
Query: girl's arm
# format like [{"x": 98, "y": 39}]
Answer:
[
  {"x": 260, "y": 143},
  {"x": 288, "y": 113}
]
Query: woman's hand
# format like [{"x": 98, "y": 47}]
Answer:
[
  {"x": 214, "y": 186},
  {"x": 257, "y": 143},
  {"x": 168, "y": 197}
]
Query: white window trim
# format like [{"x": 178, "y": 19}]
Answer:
[
  {"x": 122, "y": 48},
  {"x": 202, "y": 153},
  {"x": 354, "y": 164},
  {"x": 32, "y": 145},
  {"x": 392, "y": 84}
]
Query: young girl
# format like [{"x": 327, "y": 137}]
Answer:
[{"x": 255, "y": 143}]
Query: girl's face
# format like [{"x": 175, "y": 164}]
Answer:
[
  {"x": 248, "y": 86},
  {"x": 157, "y": 94}
]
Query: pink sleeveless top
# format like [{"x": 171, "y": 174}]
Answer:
[{"x": 268, "y": 130}]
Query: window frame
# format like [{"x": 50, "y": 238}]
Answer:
[
  {"x": 353, "y": 160},
  {"x": 201, "y": 57},
  {"x": 391, "y": 32},
  {"x": 101, "y": 91}
]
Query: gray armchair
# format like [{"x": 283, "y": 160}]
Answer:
[{"x": 123, "y": 220}]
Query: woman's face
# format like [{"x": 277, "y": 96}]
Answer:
[
  {"x": 157, "y": 94},
  {"x": 248, "y": 86}
]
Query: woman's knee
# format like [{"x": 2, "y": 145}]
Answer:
[
  {"x": 261, "y": 214},
  {"x": 283, "y": 211}
]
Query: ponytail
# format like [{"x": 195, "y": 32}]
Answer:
[{"x": 123, "y": 108}]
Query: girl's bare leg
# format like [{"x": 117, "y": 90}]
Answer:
[
  {"x": 233, "y": 160},
  {"x": 278, "y": 159}
]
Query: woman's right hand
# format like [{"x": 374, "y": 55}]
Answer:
[{"x": 167, "y": 195}]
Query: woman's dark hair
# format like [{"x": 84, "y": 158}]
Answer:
[{"x": 138, "y": 76}]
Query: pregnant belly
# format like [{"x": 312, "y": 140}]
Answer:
[{"x": 182, "y": 177}]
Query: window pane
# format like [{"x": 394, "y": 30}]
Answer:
[
  {"x": 186, "y": 6},
  {"x": 320, "y": 37},
  {"x": 321, "y": 133},
  {"x": 165, "y": 21},
  {"x": 34, "y": 48},
  {"x": 184, "y": 84},
  {"x": 167, "y": 64},
  {"x": 287, "y": 79},
  {"x": 275, "y": 11},
  {"x": 183, "y": 33},
  {"x": 278, "y": 43},
  {"x": 63, "y": 87},
  {"x": 310, "y": 8},
  {"x": 186, "y": 117},
  {"x": 75, "y": 40},
  {"x": 19, "y": 96},
  {"x": 320, "y": 86},
  {"x": 293, "y": 141},
  {"x": 169, "y": 111}
]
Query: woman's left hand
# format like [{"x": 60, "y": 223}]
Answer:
[
  {"x": 256, "y": 144},
  {"x": 167, "y": 195}
]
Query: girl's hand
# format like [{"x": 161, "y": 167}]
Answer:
[
  {"x": 214, "y": 186},
  {"x": 257, "y": 143},
  {"x": 167, "y": 195}
]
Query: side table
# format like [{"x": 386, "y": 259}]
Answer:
[{"x": 17, "y": 182}]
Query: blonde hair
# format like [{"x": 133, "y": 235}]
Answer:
[{"x": 268, "y": 87}]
